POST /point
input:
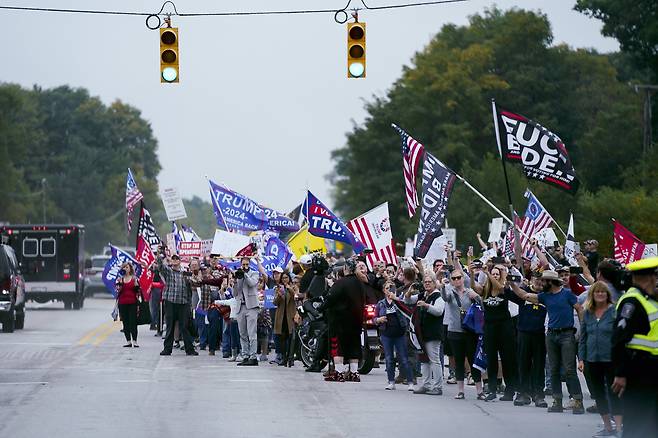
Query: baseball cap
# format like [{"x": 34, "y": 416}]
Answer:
[
  {"x": 278, "y": 269},
  {"x": 175, "y": 256},
  {"x": 305, "y": 259}
]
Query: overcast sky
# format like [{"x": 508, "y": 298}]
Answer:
[{"x": 262, "y": 100}]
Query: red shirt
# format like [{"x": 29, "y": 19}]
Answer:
[{"x": 128, "y": 293}]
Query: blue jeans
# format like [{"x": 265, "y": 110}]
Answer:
[
  {"x": 214, "y": 328},
  {"x": 561, "y": 348},
  {"x": 231, "y": 338},
  {"x": 399, "y": 344},
  {"x": 202, "y": 328}
]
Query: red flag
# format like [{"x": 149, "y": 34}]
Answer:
[
  {"x": 628, "y": 247},
  {"x": 247, "y": 251}
]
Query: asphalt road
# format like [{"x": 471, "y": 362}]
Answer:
[{"x": 67, "y": 375}]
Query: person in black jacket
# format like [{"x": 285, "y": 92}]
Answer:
[{"x": 344, "y": 307}]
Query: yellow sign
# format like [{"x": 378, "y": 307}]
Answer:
[{"x": 303, "y": 242}]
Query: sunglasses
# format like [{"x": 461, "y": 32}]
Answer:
[{"x": 459, "y": 277}]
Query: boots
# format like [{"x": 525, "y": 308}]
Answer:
[
  {"x": 557, "y": 406},
  {"x": 578, "y": 407},
  {"x": 234, "y": 355}
]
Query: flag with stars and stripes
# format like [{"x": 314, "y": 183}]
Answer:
[
  {"x": 536, "y": 218},
  {"x": 412, "y": 152},
  {"x": 438, "y": 182},
  {"x": 373, "y": 228},
  {"x": 133, "y": 196},
  {"x": 541, "y": 152}
]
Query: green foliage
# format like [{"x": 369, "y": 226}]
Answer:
[{"x": 443, "y": 101}]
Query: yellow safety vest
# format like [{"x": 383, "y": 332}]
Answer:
[{"x": 648, "y": 342}]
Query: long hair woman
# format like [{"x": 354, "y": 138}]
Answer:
[
  {"x": 595, "y": 353},
  {"x": 284, "y": 300},
  {"x": 128, "y": 295}
]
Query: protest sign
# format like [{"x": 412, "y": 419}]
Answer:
[
  {"x": 187, "y": 250},
  {"x": 650, "y": 250},
  {"x": 173, "y": 204},
  {"x": 269, "y": 299},
  {"x": 495, "y": 230},
  {"x": 228, "y": 244},
  {"x": 546, "y": 238}
]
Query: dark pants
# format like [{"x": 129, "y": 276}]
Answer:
[
  {"x": 640, "y": 409},
  {"x": 177, "y": 313},
  {"x": 561, "y": 347},
  {"x": 463, "y": 346},
  {"x": 154, "y": 306},
  {"x": 599, "y": 381},
  {"x": 499, "y": 339},
  {"x": 399, "y": 345},
  {"x": 128, "y": 313},
  {"x": 214, "y": 329},
  {"x": 532, "y": 360}
]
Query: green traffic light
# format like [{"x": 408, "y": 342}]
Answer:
[
  {"x": 169, "y": 74},
  {"x": 357, "y": 69}
]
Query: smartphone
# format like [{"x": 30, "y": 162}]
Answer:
[
  {"x": 498, "y": 260},
  {"x": 514, "y": 278},
  {"x": 575, "y": 269}
]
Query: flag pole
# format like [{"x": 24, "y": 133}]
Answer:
[
  {"x": 517, "y": 242},
  {"x": 308, "y": 242},
  {"x": 489, "y": 203}
]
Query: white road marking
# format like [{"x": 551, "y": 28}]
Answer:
[
  {"x": 134, "y": 381},
  {"x": 252, "y": 380}
]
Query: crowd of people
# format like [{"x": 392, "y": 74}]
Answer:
[{"x": 515, "y": 330}]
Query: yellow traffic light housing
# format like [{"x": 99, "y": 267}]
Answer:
[
  {"x": 169, "y": 62},
  {"x": 356, "y": 50}
]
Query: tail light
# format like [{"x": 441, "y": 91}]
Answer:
[
  {"x": 5, "y": 287},
  {"x": 67, "y": 274},
  {"x": 371, "y": 311}
]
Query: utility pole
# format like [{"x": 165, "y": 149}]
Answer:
[{"x": 43, "y": 198}]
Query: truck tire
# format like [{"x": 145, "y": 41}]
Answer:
[
  {"x": 8, "y": 322},
  {"x": 367, "y": 361},
  {"x": 68, "y": 304},
  {"x": 19, "y": 322},
  {"x": 77, "y": 303}
]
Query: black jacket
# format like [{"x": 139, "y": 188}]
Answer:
[{"x": 344, "y": 305}]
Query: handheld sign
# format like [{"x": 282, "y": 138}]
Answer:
[{"x": 173, "y": 204}]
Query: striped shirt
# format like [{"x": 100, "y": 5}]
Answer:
[{"x": 178, "y": 287}]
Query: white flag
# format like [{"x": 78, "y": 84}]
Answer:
[
  {"x": 570, "y": 249},
  {"x": 373, "y": 229}
]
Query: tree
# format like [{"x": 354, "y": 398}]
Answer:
[{"x": 443, "y": 100}]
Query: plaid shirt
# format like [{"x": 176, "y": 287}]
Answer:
[{"x": 178, "y": 287}]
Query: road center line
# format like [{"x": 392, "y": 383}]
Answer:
[
  {"x": 94, "y": 332},
  {"x": 102, "y": 336},
  {"x": 23, "y": 383}
]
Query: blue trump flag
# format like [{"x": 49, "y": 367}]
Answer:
[
  {"x": 269, "y": 299},
  {"x": 276, "y": 254},
  {"x": 237, "y": 213},
  {"x": 113, "y": 265},
  {"x": 323, "y": 223}
]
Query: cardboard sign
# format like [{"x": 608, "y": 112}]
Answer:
[
  {"x": 206, "y": 247},
  {"x": 495, "y": 229},
  {"x": 228, "y": 244},
  {"x": 173, "y": 204},
  {"x": 437, "y": 251},
  {"x": 171, "y": 243},
  {"x": 546, "y": 237}
]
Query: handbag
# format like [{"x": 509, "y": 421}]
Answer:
[
  {"x": 143, "y": 313},
  {"x": 474, "y": 319},
  {"x": 462, "y": 312}
]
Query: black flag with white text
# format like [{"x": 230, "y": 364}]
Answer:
[
  {"x": 438, "y": 181},
  {"x": 541, "y": 152}
]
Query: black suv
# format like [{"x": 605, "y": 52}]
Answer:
[{"x": 12, "y": 291}]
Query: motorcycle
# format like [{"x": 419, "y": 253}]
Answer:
[{"x": 309, "y": 334}]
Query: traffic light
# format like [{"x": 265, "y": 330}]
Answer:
[
  {"x": 169, "y": 55},
  {"x": 356, "y": 50}
]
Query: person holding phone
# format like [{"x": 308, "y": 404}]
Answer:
[
  {"x": 128, "y": 295},
  {"x": 393, "y": 334}
]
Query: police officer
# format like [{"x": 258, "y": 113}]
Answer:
[{"x": 635, "y": 351}]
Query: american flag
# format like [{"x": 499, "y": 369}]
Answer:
[
  {"x": 536, "y": 219},
  {"x": 412, "y": 152},
  {"x": 133, "y": 196}
]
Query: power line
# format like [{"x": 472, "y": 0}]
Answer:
[{"x": 218, "y": 14}]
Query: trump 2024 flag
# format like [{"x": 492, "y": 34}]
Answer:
[
  {"x": 374, "y": 229},
  {"x": 323, "y": 223}
]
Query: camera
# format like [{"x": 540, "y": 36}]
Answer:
[
  {"x": 319, "y": 265},
  {"x": 239, "y": 274}
]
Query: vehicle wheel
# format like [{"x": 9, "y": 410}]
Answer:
[
  {"x": 8, "y": 322},
  {"x": 68, "y": 304},
  {"x": 82, "y": 301},
  {"x": 19, "y": 323},
  {"x": 77, "y": 303},
  {"x": 306, "y": 353},
  {"x": 367, "y": 361}
]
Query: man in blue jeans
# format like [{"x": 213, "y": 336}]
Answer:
[{"x": 560, "y": 340}]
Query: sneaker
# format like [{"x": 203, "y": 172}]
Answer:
[
  {"x": 353, "y": 377},
  {"x": 390, "y": 386},
  {"x": 451, "y": 380},
  {"x": 165, "y": 353},
  {"x": 262, "y": 358},
  {"x": 410, "y": 387},
  {"x": 419, "y": 390},
  {"x": 592, "y": 410},
  {"x": 522, "y": 400},
  {"x": 232, "y": 358},
  {"x": 557, "y": 406},
  {"x": 135, "y": 345},
  {"x": 243, "y": 362},
  {"x": 226, "y": 355},
  {"x": 128, "y": 345},
  {"x": 490, "y": 397},
  {"x": 192, "y": 353},
  {"x": 507, "y": 397},
  {"x": 578, "y": 408},
  {"x": 541, "y": 403},
  {"x": 177, "y": 344},
  {"x": 604, "y": 432},
  {"x": 253, "y": 362},
  {"x": 435, "y": 392},
  {"x": 470, "y": 381},
  {"x": 570, "y": 405}
]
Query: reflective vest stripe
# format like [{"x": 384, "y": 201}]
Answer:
[
  {"x": 643, "y": 343},
  {"x": 648, "y": 342}
]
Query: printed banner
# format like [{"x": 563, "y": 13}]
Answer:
[
  {"x": 541, "y": 152},
  {"x": 374, "y": 229},
  {"x": 190, "y": 250},
  {"x": 113, "y": 265},
  {"x": 147, "y": 239},
  {"x": 235, "y": 212},
  {"x": 438, "y": 182},
  {"x": 323, "y": 223},
  {"x": 628, "y": 248}
]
